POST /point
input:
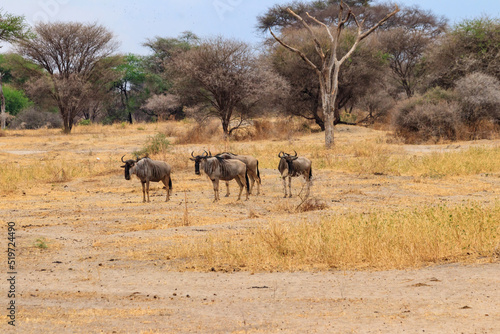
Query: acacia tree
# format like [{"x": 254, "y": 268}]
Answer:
[
  {"x": 12, "y": 28},
  {"x": 470, "y": 46},
  {"x": 129, "y": 86},
  {"x": 224, "y": 79},
  {"x": 329, "y": 67},
  {"x": 405, "y": 40},
  {"x": 76, "y": 60}
]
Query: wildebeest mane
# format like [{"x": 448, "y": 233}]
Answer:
[
  {"x": 147, "y": 168},
  {"x": 220, "y": 164}
]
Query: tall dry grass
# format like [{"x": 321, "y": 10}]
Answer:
[
  {"x": 378, "y": 240},
  {"x": 364, "y": 156}
]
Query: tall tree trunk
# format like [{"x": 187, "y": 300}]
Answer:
[
  {"x": 225, "y": 127},
  {"x": 329, "y": 135},
  {"x": 127, "y": 108},
  {"x": 67, "y": 120},
  {"x": 3, "y": 115},
  {"x": 328, "y": 99}
]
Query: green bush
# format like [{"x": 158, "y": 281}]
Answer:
[
  {"x": 85, "y": 122},
  {"x": 15, "y": 100},
  {"x": 154, "y": 145}
]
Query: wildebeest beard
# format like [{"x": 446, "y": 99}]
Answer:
[
  {"x": 197, "y": 167},
  {"x": 291, "y": 170}
]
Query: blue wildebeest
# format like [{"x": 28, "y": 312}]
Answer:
[
  {"x": 148, "y": 170},
  {"x": 292, "y": 166},
  {"x": 252, "y": 169},
  {"x": 218, "y": 168}
]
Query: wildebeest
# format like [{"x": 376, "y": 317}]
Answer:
[
  {"x": 218, "y": 168},
  {"x": 252, "y": 169},
  {"x": 291, "y": 166},
  {"x": 148, "y": 170}
]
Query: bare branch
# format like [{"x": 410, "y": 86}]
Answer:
[
  {"x": 297, "y": 51},
  {"x": 379, "y": 23},
  {"x": 317, "y": 45}
]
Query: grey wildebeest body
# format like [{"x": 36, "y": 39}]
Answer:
[
  {"x": 217, "y": 168},
  {"x": 292, "y": 166},
  {"x": 148, "y": 170},
  {"x": 252, "y": 169}
]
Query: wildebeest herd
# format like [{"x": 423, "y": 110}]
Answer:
[{"x": 223, "y": 166}]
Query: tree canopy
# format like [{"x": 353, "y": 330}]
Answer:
[{"x": 76, "y": 58}]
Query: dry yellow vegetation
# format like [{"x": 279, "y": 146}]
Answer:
[
  {"x": 374, "y": 204},
  {"x": 92, "y": 257}
]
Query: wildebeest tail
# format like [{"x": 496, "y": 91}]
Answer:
[
  {"x": 248, "y": 183},
  {"x": 258, "y": 171},
  {"x": 310, "y": 172},
  {"x": 169, "y": 183}
]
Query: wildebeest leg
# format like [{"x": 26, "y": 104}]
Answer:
[
  {"x": 215, "y": 183},
  {"x": 290, "y": 186},
  {"x": 227, "y": 188},
  {"x": 147, "y": 189},
  {"x": 258, "y": 185},
  {"x": 284, "y": 185},
  {"x": 308, "y": 184},
  {"x": 143, "y": 191},
  {"x": 251, "y": 177},
  {"x": 241, "y": 184},
  {"x": 165, "y": 181}
]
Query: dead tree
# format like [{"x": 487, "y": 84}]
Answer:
[{"x": 328, "y": 70}]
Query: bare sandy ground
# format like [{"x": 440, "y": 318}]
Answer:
[
  {"x": 443, "y": 299},
  {"x": 104, "y": 271}
]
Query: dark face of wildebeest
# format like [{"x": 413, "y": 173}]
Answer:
[
  {"x": 128, "y": 164},
  {"x": 288, "y": 158},
  {"x": 197, "y": 160}
]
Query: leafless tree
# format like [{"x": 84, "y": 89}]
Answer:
[
  {"x": 76, "y": 58},
  {"x": 329, "y": 68},
  {"x": 361, "y": 74},
  {"x": 162, "y": 106},
  {"x": 225, "y": 79}
]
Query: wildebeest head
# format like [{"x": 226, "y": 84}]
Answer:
[
  {"x": 128, "y": 164},
  {"x": 288, "y": 158},
  {"x": 198, "y": 159}
]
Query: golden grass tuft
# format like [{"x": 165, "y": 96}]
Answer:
[{"x": 382, "y": 239}]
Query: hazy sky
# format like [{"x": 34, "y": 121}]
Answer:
[{"x": 135, "y": 21}]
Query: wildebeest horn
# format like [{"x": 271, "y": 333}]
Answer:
[
  {"x": 122, "y": 159},
  {"x": 295, "y": 153},
  {"x": 280, "y": 154},
  {"x": 205, "y": 153},
  {"x": 192, "y": 154}
]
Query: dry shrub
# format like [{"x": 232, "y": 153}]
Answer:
[
  {"x": 280, "y": 129},
  {"x": 201, "y": 133},
  {"x": 471, "y": 111},
  {"x": 431, "y": 117},
  {"x": 312, "y": 204},
  {"x": 479, "y": 96},
  {"x": 32, "y": 118}
]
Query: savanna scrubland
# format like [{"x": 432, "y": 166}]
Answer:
[
  {"x": 400, "y": 231},
  {"x": 392, "y": 237}
]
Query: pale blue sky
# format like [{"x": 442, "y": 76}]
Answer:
[{"x": 134, "y": 21}]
